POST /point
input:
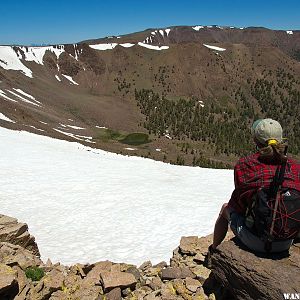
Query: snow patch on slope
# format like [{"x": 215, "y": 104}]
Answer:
[
  {"x": 36, "y": 54},
  {"x": 5, "y": 118},
  {"x": 17, "y": 93},
  {"x": 77, "y": 52},
  {"x": 152, "y": 47},
  {"x": 72, "y": 126},
  {"x": 161, "y": 32},
  {"x": 25, "y": 94},
  {"x": 214, "y": 47},
  {"x": 201, "y": 103},
  {"x": 3, "y": 95},
  {"x": 9, "y": 60},
  {"x": 75, "y": 136},
  {"x": 24, "y": 99},
  {"x": 70, "y": 79},
  {"x": 197, "y": 28},
  {"x": 11, "y": 57},
  {"x": 148, "y": 40},
  {"x": 127, "y": 45},
  {"x": 104, "y": 46},
  {"x": 31, "y": 126}
]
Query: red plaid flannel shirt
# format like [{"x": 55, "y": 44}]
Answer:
[{"x": 250, "y": 174}]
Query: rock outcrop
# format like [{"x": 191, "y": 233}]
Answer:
[
  {"x": 8, "y": 282},
  {"x": 244, "y": 275},
  {"x": 16, "y": 233},
  {"x": 236, "y": 274}
]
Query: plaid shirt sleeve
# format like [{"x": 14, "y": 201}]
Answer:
[
  {"x": 233, "y": 202},
  {"x": 239, "y": 192}
]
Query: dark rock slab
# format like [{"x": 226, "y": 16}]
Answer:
[
  {"x": 8, "y": 282},
  {"x": 114, "y": 294},
  {"x": 11, "y": 231},
  {"x": 176, "y": 273},
  {"x": 247, "y": 276},
  {"x": 114, "y": 279}
]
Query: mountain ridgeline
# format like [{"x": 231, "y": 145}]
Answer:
[{"x": 185, "y": 95}]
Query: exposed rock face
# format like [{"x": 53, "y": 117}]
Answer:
[
  {"x": 12, "y": 255},
  {"x": 8, "y": 282},
  {"x": 176, "y": 273},
  {"x": 17, "y": 233},
  {"x": 117, "y": 279},
  {"x": 247, "y": 276}
]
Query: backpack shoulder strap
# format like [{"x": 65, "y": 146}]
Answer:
[
  {"x": 278, "y": 178},
  {"x": 274, "y": 192}
]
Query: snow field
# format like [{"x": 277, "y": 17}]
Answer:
[{"x": 86, "y": 205}]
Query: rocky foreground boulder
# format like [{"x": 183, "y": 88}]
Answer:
[
  {"x": 236, "y": 274},
  {"x": 240, "y": 274}
]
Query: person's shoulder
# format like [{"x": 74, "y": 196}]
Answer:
[
  {"x": 248, "y": 159},
  {"x": 294, "y": 162}
]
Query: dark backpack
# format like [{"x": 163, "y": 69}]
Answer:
[{"x": 275, "y": 211}]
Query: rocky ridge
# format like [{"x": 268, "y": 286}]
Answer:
[
  {"x": 236, "y": 274},
  {"x": 86, "y": 92}
]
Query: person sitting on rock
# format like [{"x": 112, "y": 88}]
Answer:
[{"x": 250, "y": 174}]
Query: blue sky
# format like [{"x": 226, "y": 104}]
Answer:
[{"x": 66, "y": 21}]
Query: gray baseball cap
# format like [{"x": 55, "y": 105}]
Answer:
[{"x": 264, "y": 130}]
